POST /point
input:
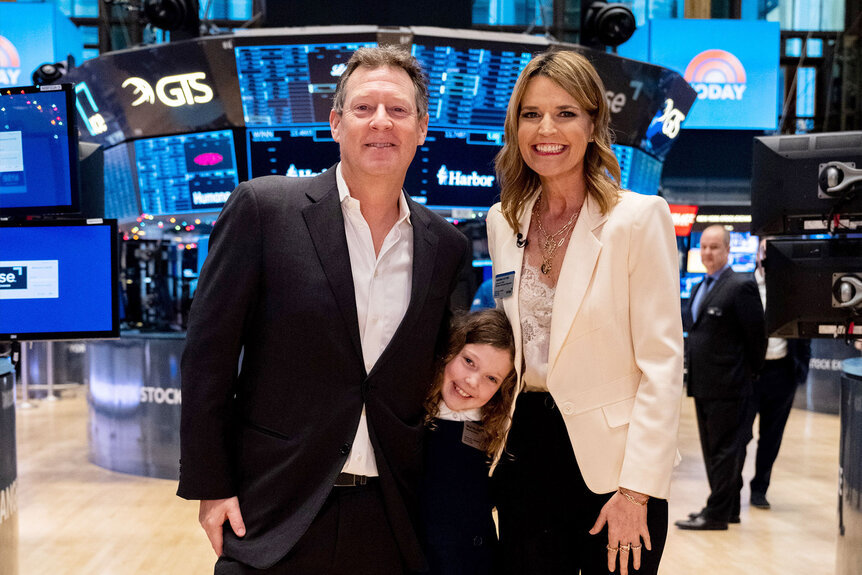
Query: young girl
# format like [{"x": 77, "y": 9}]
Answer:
[{"x": 468, "y": 411}]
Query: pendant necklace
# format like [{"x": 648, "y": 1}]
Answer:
[{"x": 550, "y": 242}]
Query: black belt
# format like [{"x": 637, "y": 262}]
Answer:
[{"x": 351, "y": 480}]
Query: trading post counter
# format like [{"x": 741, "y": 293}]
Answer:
[
  {"x": 849, "y": 556},
  {"x": 135, "y": 400}
]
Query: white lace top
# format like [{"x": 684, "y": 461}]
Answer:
[{"x": 536, "y": 300}]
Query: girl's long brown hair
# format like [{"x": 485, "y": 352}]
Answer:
[{"x": 490, "y": 327}]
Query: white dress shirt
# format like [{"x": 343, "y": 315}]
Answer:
[
  {"x": 382, "y": 284},
  {"x": 776, "y": 347}
]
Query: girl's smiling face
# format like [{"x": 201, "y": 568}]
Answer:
[{"x": 473, "y": 376}]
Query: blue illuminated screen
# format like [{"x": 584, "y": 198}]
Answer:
[
  {"x": 732, "y": 65},
  {"x": 290, "y": 84},
  {"x": 639, "y": 171},
  {"x": 186, "y": 173},
  {"x": 38, "y": 165},
  {"x": 57, "y": 281}
]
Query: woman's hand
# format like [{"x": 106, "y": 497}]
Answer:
[{"x": 627, "y": 526}]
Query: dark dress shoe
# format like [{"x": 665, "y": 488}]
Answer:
[
  {"x": 701, "y": 523},
  {"x": 734, "y": 519},
  {"x": 759, "y": 500}
]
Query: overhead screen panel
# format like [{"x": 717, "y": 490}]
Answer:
[
  {"x": 289, "y": 84},
  {"x": 38, "y": 151},
  {"x": 469, "y": 86},
  {"x": 295, "y": 152},
  {"x": 186, "y": 173}
]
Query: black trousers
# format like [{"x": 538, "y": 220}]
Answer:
[
  {"x": 720, "y": 424},
  {"x": 545, "y": 509},
  {"x": 773, "y": 399},
  {"x": 350, "y": 535}
]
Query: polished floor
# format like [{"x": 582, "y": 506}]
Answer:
[{"x": 78, "y": 519}]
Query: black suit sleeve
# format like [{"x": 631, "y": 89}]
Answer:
[
  {"x": 749, "y": 314},
  {"x": 463, "y": 290},
  {"x": 228, "y": 286}
]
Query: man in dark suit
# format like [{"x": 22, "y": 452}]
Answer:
[
  {"x": 785, "y": 368},
  {"x": 334, "y": 292},
  {"x": 725, "y": 349}
]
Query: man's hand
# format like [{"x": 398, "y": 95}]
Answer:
[{"x": 213, "y": 513}]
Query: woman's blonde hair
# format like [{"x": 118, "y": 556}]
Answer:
[
  {"x": 490, "y": 327},
  {"x": 518, "y": 182}
]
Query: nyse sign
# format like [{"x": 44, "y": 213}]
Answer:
[{"x": 173, "y": 91}]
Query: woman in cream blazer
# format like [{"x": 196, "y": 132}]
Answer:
[{"x": 588, "y": 275}]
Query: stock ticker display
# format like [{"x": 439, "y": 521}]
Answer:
[
  {"x": 120, "y": 199},
  {"x": 290, "y": 84},
  {"x": 186, "y": 173},
  {"x": 469, "y": 87}
]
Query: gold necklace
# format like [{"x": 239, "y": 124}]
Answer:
[{"x": 551, "y": 242}]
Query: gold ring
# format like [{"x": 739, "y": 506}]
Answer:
[
  {"x": 625, "y": 547},
  {"x": 614, "y": 549},
  {"x": 636, "y": 547}
]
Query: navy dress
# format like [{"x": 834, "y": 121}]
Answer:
[{"x": 459, "y": 532}]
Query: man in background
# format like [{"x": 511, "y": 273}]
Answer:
[{"x": 725, "y": 349}]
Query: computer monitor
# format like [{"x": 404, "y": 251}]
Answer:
[
  {"x": 787, "y": 196},
  {"x": 58, "y": 280},
  {"x": 38, "y": 151},
  {"x": 804, "y": 279},
  {"x": 188, "y": 173}
]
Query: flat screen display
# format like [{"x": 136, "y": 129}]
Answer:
[
  {"x": 639, "y": 171},
  {"x": 58, "y": 280},
  {"x": 294, "y": 152},
  {"x": 38, "y": 151},
  {"x": 121, "y": 199},
  {"x": 731, "y": 64},
  {"x": 455, "y": 169},
  {"x": 186, "y": 173},
  {"x": 468, "y": 85},
  {"x": 292, "y": 83}
]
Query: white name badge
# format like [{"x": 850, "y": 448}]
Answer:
[{"x": 504, "y": 284}]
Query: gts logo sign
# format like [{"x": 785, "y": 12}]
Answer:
[{"x": 13, "y": 278}]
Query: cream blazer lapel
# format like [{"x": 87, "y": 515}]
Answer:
[
  {"x": 510, "y": 257},
  {"x": 580, "y": 260}
]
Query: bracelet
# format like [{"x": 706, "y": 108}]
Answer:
[{"x": 628, "y": 496}]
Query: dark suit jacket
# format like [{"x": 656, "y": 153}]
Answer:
[
  {"x": 727, "y": 344},
  {"x": 277, "y": 286}
]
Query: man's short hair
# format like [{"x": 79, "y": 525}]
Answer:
[
  {"x": 725, "y": 233},
  {"x": 380, "y": 57}
]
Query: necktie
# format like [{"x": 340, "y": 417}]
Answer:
[{"x": 701, "y": 295}]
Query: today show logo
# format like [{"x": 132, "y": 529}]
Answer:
[{"x": 716, "y": 75}]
